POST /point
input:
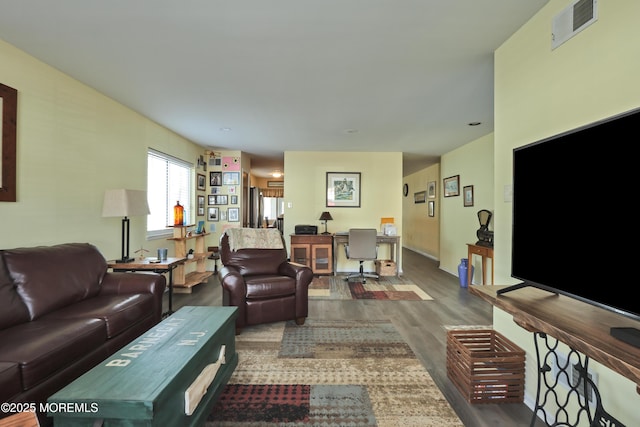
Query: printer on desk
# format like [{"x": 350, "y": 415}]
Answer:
[{"x": 306, "y": 229}]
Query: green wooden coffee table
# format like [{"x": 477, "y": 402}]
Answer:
[{"x": 170, "y": 376}]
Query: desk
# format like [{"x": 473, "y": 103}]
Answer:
[
  {"x": 485, "y": 252},
  {"x": 166, "y": 266},
  {"x": 393, "y": 241}
]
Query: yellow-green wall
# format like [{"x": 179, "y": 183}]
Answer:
[
  {"x": 473, "y": 162},
  {"x": 73, "y": 143},
  {"x": 540, "y": 92},
  {"x": 421, "y": 231},
  {"x": 305, "y": 193}
]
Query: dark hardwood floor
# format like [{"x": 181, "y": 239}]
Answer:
[{"x": 422, "y": 323}]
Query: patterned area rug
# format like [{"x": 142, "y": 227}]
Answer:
[
  {"x": 390, "y": 288},
  {"x": 328, "y": 373}
]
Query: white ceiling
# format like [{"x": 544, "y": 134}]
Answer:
[{"x": 268, "y": 76}]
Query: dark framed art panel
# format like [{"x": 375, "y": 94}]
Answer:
[
  {"x": 213, "y": 214},
  {"x": 201, "y": 182},
  {"x": 200, "y": 205},
  {"x": 9, "y": 113},
  {"x": 215, "y": 179}
]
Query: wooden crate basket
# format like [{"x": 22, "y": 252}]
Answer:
[
  {"x": 485, "y": 366},
  {"x": 385, "y": 267}
]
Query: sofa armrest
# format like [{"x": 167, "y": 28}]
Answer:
[{"x": 133, "y": 283}]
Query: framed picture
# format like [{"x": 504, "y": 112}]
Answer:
[
  {"x": 216, "y": 190},
  {"x": 232, "y": 189},
  {"x": 8, "y": 143},
  {"x": 467, "y": 194},
  {"x": 201, "y": 181},
  {"x": 200, "y": 205},
  {"x": 343, "y": 189},
  {"x": 431, "y": 190},
  {"x": 231, "y": 178},
  {"x": 213, "y": 214},
  {"x": 218, "y": 199},
  {"x": 451, "y": 186},
  {"x": 233, "y": 214},
  {"x": 215, "y": 179},
  {"x": 234, "y": 200},
  {"x": 420, "y": 197},
  {"x": 431, "y": 207}
]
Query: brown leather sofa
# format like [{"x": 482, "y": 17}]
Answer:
[
  {"x": 263, "y": 284},
  {"x": 61, "y": 313}
]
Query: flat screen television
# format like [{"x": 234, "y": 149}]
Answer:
[{"x": 575, "y": 218}]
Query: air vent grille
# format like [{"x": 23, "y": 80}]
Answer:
[
  {"x": 582, "y": 13},
  {"x": 573, "y": 19}
]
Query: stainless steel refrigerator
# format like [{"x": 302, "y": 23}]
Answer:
[{"x": 256, "y": 208}]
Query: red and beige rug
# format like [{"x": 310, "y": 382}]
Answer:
[
  {"x": 390, "y": 288},
  {"x": 328, "y": 373}
]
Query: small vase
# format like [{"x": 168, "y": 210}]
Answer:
[
  {"x": 178, "y": 214},
  {"x": 463, "y": 269}
]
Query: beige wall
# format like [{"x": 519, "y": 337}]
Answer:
[
  {"x": 542, "y": 92},
  {"x": 305, "y": 193},
  {"x": 72, "y": 144},
  {"x": 422, "y": 232}
]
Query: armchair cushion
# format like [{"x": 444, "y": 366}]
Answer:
[{"x": 259, "y": 287}]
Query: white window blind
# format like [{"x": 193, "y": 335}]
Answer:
[{"x": 169, "y": 180}]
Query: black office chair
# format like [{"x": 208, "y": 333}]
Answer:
[{"x": 362, "y": 246}]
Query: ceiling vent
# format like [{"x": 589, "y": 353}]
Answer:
[{"x": 573, "y": 19}]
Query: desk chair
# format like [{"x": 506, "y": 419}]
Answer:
[{"x": 362, "y": 246}]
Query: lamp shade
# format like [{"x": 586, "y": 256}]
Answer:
[
  {"x": 326, "y": 216},
  {"x": 123, "y": 202}
]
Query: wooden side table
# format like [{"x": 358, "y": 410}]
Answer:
[
  {"x": 485, "y": 252},
  {"x": 151, "y": 264}
]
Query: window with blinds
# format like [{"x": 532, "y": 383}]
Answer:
[{"x": 169, "y": 180}]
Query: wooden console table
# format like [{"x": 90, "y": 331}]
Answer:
[
  {"x": 583, "y": 327},
  {"x": 485, "y": 252}
]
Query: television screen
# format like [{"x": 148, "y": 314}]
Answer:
[{"x": 575, "y": 215}]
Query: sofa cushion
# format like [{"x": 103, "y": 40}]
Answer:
[
  {"x": 51, "y": 277},
  {"x": 262, "y": 287},
  {"x": 46, "y": 347},
  {"x": 10, "y": 383},
  {"x": 119, "y": 312},
  {"x": 13, "y": 309}
]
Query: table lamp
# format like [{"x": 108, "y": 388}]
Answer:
[
  {"x": 326, "y": 216},
  {"x": 125, "y": 203}
]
